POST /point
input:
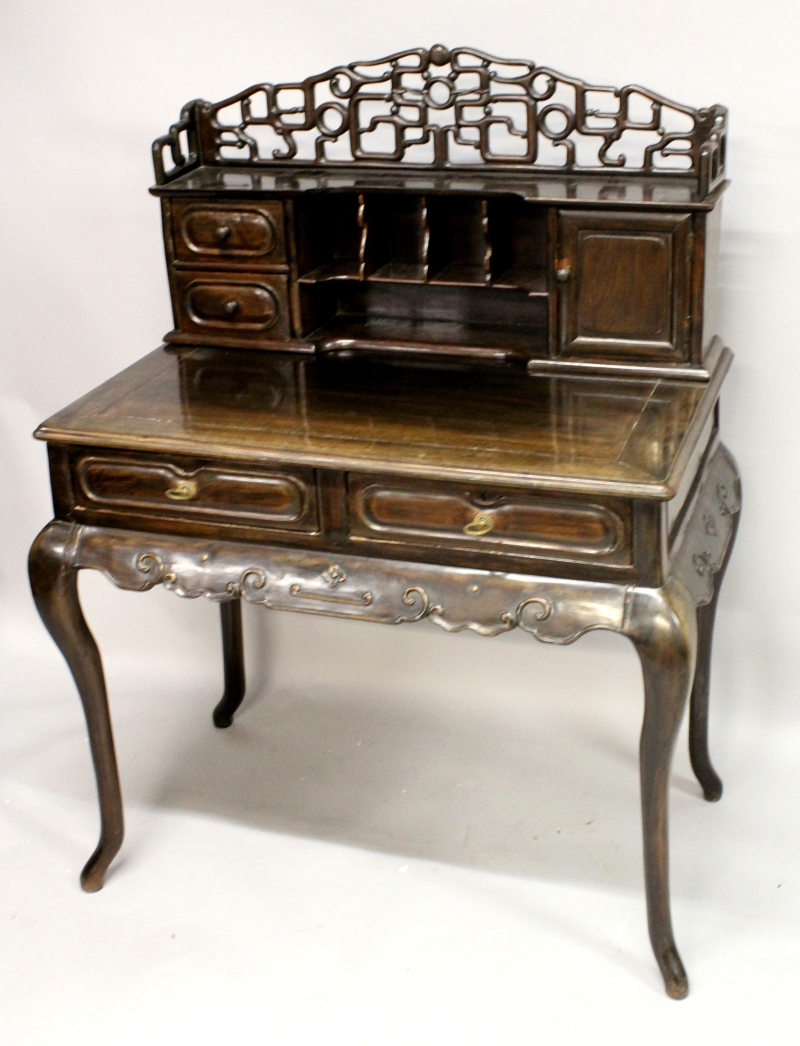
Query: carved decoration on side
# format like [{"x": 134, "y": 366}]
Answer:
[{"x": 702, "y": 549}]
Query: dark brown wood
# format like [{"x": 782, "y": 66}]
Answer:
[
  {"x": 438, "y": 109},
  {"x": 114, "y": 484},
  {"x": 245, "y": 309},
  {"x": 435, "y": 420},
  {"x": 225, "y": 235},
  {"x": 665, "y": 639},
  {"x": 488, "y": 397},
  {"x": 625, "y": 284},
  {"x": 54, "y": 583},
  {"x": 459, "y": 274},
  {"x": 698, "y": 709},
  {"x": 448, "y": 515},
  {"x": 233, "y": 661}
]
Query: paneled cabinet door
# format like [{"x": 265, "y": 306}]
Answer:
[{"x": 624, "y": 284}]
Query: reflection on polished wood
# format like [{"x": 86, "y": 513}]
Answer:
[
  {"x": 406, "y": 386},
  {"x": 624, "y": 437}
]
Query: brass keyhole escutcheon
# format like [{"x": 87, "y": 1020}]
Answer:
[
  {"x": 481, "y": 524},
  {"x": 183, "y": 491}
]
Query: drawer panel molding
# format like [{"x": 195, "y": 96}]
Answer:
[
  {"x": 247, "y": 307},
  {"x": 219, "y": 235},
  {"x": 276, "y": 499},
  {"x": 505, "y": 521}
]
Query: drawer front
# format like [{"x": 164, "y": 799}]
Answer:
[
  {"x": 248, "y": 307},
  {"x": 285, "y": 500},
  {"x": 211, "y": 234},
  {"x": 492, "y": 520}
]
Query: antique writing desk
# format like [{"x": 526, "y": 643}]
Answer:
[{"x": 444, "y": 349}]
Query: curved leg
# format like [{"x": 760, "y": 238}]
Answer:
[
  {"x": 663, "y": 631},
  {"x": 698, "y": 713},
  {"x": 233, "y": 655},
  {"x": 54, "y": 582}
]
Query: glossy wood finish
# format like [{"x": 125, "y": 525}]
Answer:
[
  {"x": 447, "y": 515},
  {"x": 453, "y": 377},
  {"x": 625, "y": 286},
  {"x": 54, "y": 583},
  {"x": 233, "y": 663},
  {"x": 218, "y": 235},
  {"x": 233, "y": 307},
  {"x": 698, "y": 721},
  {"x": 660, "y": 621},
  {"x": 452, "y": 422},
  {"x": 665, "y": 638},
  {"x": 115, "y": 485},
  {"x": 612, "y": 191},
  {"x": 494, "y": 275}
]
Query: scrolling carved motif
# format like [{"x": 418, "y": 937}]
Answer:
[
  {"x": 553, "y": 610},
  {"x": 451, "y": 109}
]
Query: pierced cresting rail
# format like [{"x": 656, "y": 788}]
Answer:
[{"x": 450, "y": 110}]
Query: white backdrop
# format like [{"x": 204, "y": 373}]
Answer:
[{"x": 86, "y": 87}]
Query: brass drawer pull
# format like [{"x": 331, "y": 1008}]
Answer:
[
  {"x": 564, "y": 272},
  {"x": 231, "y": 307},
  {"x": 223, "y": 232},
  {"x": 481, "y": 524},
  {"x": 184, "y": 491}
]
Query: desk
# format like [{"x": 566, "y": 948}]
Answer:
[{"x": 464, "y": 400}]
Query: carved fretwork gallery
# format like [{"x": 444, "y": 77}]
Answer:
[{"x": 443, "y": 350}]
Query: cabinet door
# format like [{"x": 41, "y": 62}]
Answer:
[{"x": 624, "y": 282}]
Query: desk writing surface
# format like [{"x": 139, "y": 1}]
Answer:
[{"x": 450, "y": 421}]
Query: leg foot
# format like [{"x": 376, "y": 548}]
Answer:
[
  {"x": 665, "y": 638},
  {"x": 698, "y": 714},
  {"x": 54, "y": 583},
  {"x": 233, "y": 656}
]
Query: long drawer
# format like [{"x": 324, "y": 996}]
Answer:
[
  {"x": 489, "y": 519},
  {"x": 272, "y": 499}
]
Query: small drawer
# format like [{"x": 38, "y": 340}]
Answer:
[
  {"x": 246, "y": 307},
  {"x": 249, "y": 235},
  {"x": 272, "y": 499},
  {"x": 491, "y": 520}
]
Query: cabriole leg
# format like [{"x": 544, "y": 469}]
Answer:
[
  {"x": 665, "y": 637},
  {"x": 698, "y": 714},
  {"x": 54, "y": 582},
  {"x": 233, "y": 656}
]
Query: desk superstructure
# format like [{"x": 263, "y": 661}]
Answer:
[{"x": 443, "y": 349}]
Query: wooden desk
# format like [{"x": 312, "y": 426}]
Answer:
[{"x": 399, "y": 396}]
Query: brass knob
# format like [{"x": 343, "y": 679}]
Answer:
[
  {"x": 223, "y": 232},
  {"x": 183, "y": 491},
  {"x": 481, "y": 524},
  {"x": 563, "y": 273},
  {"x": 231, "y": 307}
]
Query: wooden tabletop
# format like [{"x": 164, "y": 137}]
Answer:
[
  {"x": 449, "y": 420},
  {"x": 618, "y": 190}
]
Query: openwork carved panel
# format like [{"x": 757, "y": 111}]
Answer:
[{"x": 446, "y": 109}]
